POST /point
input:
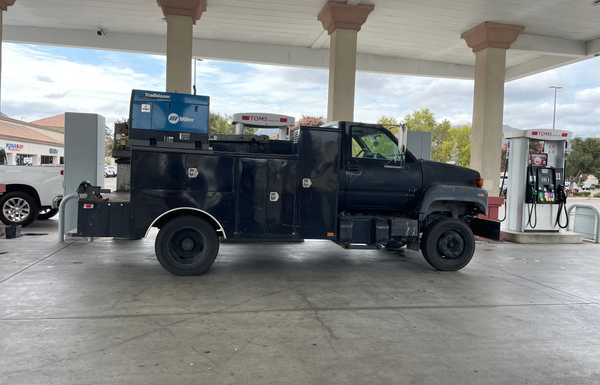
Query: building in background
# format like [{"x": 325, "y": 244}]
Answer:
[{"x": 30, "y": 143}]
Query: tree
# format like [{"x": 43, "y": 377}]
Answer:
[
  {"x": 108, "y": 144},
  {"x": 220, "y": 125},
  {"x": 421, "y": 120},
  {"x": 310, "y": 121},
  {"x": 584, "y": 158},
  {"x": 448, "y": 144},
  {"x": 461, "y": 145},
  {"x": 441, "y": 143},
  {"x": 390, "y": 123}
]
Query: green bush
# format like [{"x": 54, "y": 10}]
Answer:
[{"x": 585, "y": 194}]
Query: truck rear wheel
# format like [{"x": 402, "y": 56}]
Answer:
[
  {"x": 18, "y": 208},
  {"x": 187, "y": 246},
  {"x": 448, "y": 244}
]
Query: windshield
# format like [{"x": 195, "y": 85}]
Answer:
[{"x": 372, "y": 143}]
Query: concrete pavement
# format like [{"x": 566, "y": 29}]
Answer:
[{"x": 312, "y": 313}]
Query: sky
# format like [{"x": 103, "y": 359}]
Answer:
[{"x": 40, "y": 81}]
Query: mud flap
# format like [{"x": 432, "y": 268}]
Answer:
[{"x": 486, "y": 228}]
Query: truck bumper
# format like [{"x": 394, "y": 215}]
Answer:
[{"x": 486, "y": 228}]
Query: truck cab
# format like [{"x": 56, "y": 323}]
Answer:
[{"x": 348, "y": 182}]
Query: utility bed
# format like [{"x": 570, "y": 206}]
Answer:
[{"x": 253, "y": 187}]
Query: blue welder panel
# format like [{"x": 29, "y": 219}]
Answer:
[
  {"x": 141, "y": 116},
  {"x": 188, "y": 113},
  {"x": 160, "y": 113},
  {"x": 164, "y": 111}
]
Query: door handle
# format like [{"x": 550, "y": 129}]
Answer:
[
  {"x": 352, "y": 167},
  {"x": 391, "y": 165}
]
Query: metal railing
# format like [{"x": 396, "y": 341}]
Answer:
[
  {"x": 585, "y": 220},
  {"x": 61, "y": 215}
]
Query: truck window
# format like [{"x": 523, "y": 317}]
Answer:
[{"x": 371, "y": 143}]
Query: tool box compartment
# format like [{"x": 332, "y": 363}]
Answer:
[{"x": 104, "y": 219}]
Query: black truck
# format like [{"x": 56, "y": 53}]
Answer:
[{"x": 346, "y": 182}]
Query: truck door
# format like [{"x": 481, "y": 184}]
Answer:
[{"x": 376, "y": 177}]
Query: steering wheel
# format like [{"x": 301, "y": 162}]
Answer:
[{"x": 358, "y": 154}]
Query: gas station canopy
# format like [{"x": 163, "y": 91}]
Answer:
[{"x": 412, "y": 37}]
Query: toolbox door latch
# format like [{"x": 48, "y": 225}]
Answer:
[{"x": 192, "y": 172}]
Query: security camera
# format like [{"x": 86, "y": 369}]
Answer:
[{"x": 100, "y": 32}]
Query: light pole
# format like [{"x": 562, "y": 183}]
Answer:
[
  {"x": 555, "y": 88},
  {"x": 195, "y": 63}
]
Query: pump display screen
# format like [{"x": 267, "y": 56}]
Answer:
[
  {"x": 172, "y": 112},
  {"x": 538, "y": 159}
]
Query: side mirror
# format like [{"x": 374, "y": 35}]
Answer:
[{"x": 402, "y": 141}]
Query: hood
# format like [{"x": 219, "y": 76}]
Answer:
[{"x": 443, "y": 173}]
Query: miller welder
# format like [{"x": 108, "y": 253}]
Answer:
[{"x": 168, "y": 120}]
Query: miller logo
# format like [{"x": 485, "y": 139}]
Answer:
[{"x": 173, "y": 118}]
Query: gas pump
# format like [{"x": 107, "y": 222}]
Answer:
[{"x": 536, "y": 197}]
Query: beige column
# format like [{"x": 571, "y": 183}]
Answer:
[
  {"x": 179, "y": 53},
  {"x": 4, "y": 4},
  {"x": 181, "y": 16},
  {"x": 489, "y": 42},
  {"x": 342, "y": 75},
  {"x": 342, "y": 21}
]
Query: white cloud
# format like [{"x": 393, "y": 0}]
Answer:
[{"x": 36, "y": 84}]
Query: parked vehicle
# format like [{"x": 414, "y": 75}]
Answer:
[
  {"x": 28, "y": 193},
  {"x": 347, "y": 182}
]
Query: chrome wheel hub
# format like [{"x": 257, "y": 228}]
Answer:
[{"x": 16, "y": 209}]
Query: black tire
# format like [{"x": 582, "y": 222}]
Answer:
[
  {"x": 448, "y": 244},
  {"x": 18, "y": 208},
  {"x": 46, "y": 213},
  {"x": 187, "y": 246}
]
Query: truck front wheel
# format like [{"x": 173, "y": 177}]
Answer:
[
  {"x": 186, "y": 246},
  {"x": 448, "y": 244}
]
